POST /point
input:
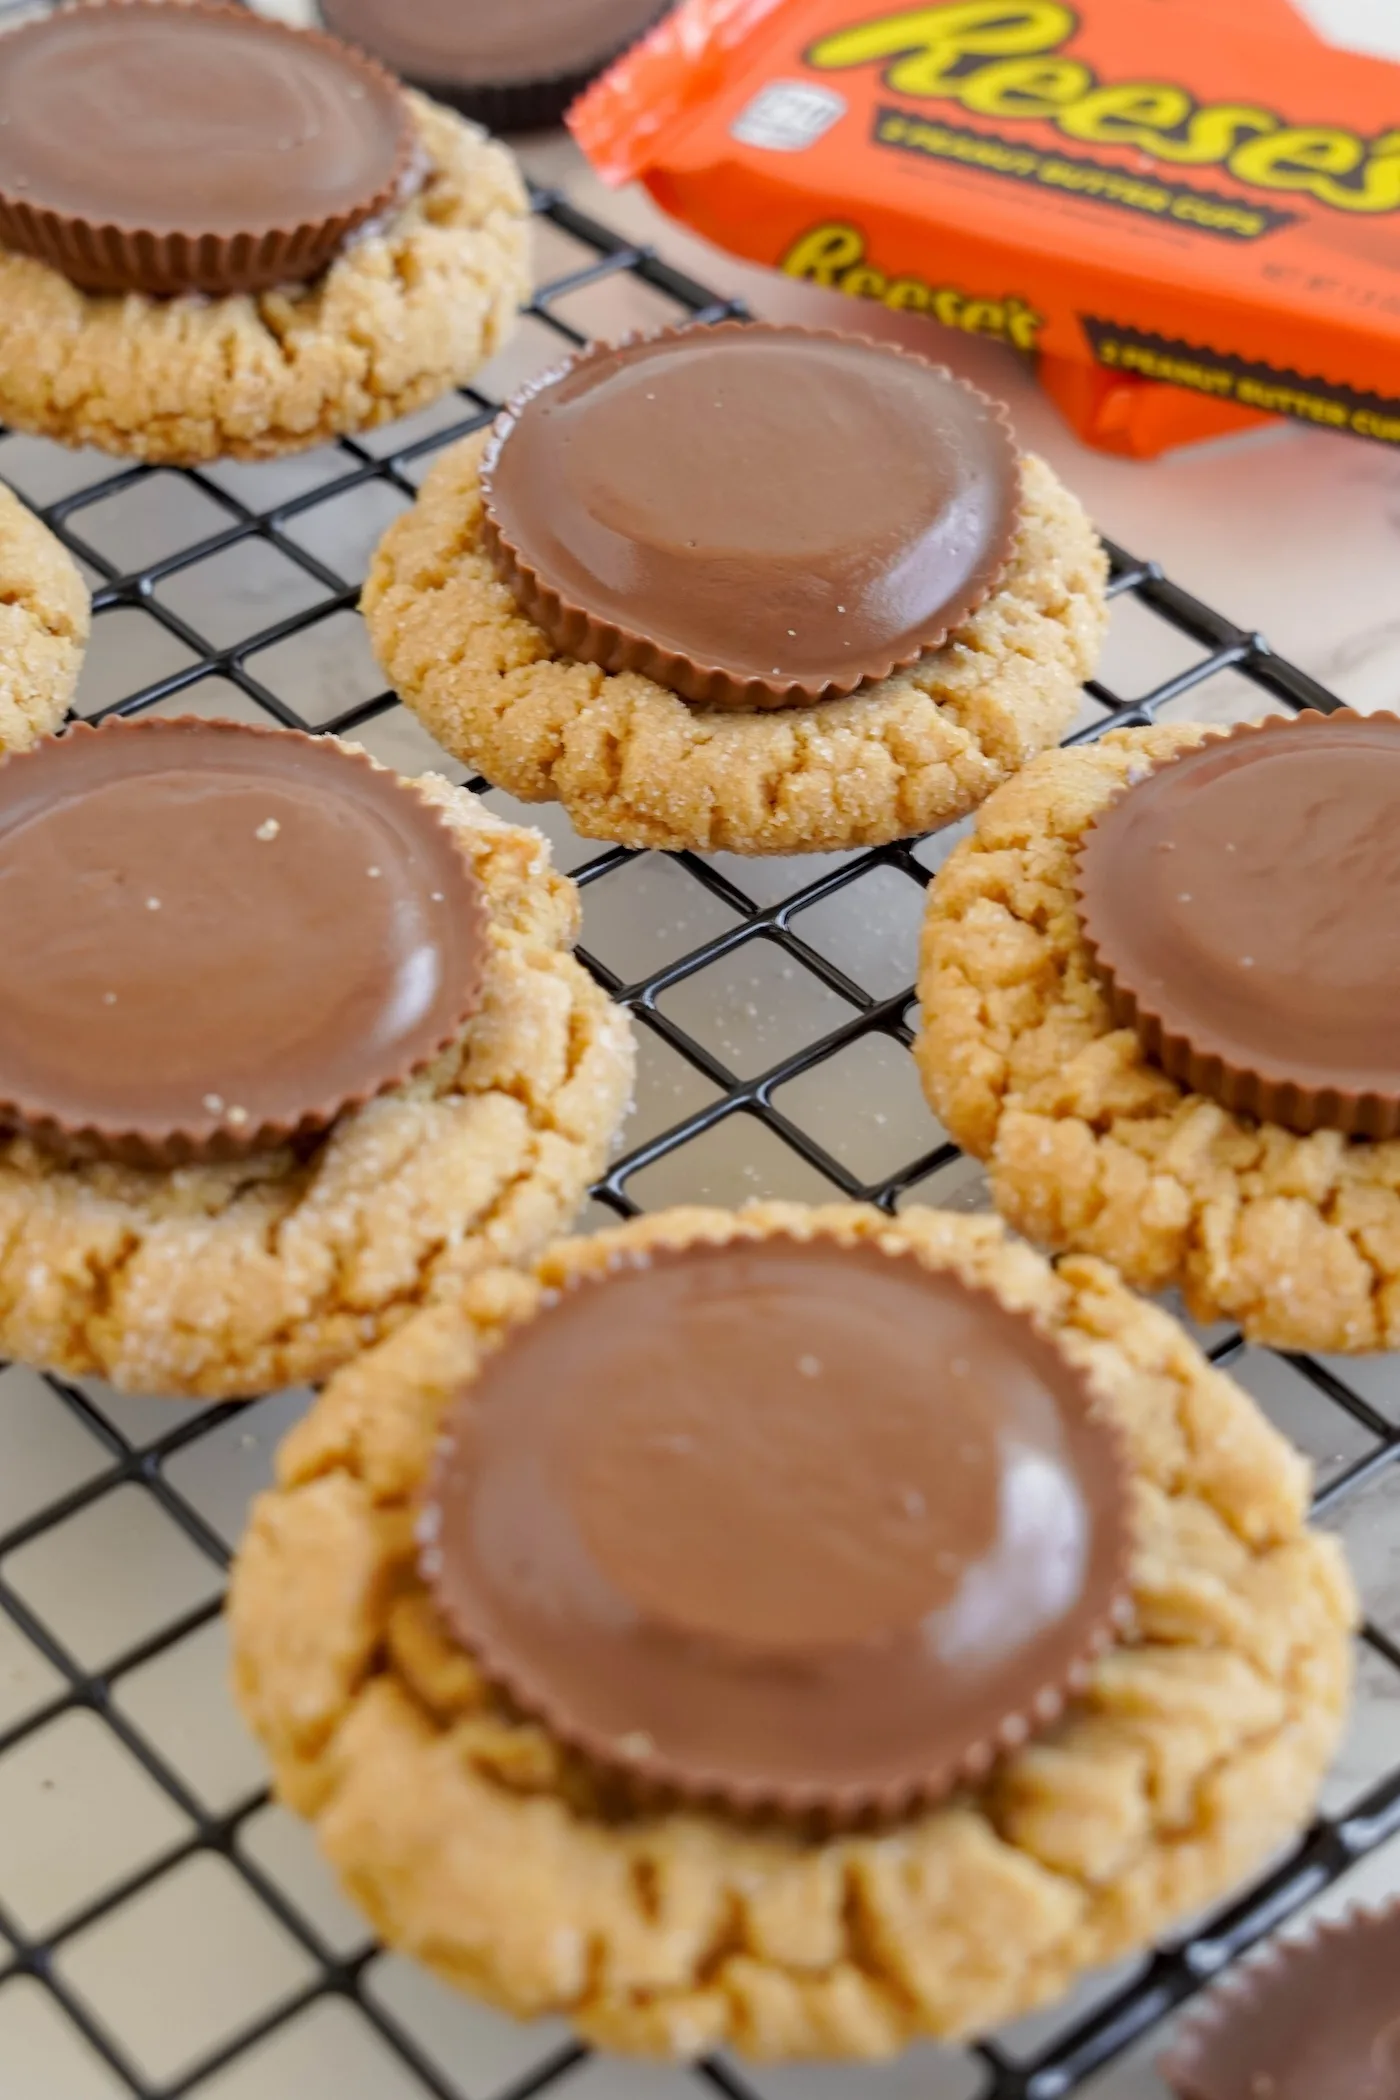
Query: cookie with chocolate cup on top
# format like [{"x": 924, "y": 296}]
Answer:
[
  {"x": 222, "y": 236},
  {"x": 44, "y": 623},
  {"x": 1158, "y": 989},
  {"x": 287, "y": 1046},
  {"x": 798, "y": 1630},
  {"x": 745, "y": 587},
  {"x": 1312, "y": 2018},
  {"x": 513, "y": 68}
]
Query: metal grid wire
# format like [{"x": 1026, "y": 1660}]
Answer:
[{"x": 232, "y": 590}]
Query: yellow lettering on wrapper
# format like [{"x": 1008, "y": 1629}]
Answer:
[{"x": 998, "y": 58}]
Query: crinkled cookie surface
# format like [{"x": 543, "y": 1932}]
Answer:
[
  {"x": 405, "y": 313},
  {"x": 1088, "y": 1145},
  {"x": 476, "y": 1844},
  {"x": 44, "y": 622},
  {"x": 630, "y": 761},
  {"x": 218, "y": 1280}
]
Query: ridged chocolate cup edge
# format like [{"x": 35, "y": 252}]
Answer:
[
  {"x": 653, "y": 1780},
  {"x": 509, "y": 106},
  {"x": 1245, "y": 1993},
  {"x": 221, "y": 1140},
  {"x": 582, "y": 635},
  {"x": 111, "y": 258},
  {"x": 1267, "y": 1097}
]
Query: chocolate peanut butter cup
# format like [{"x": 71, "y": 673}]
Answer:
[
  {"x": 1242, "y": 905},
  {"x": 1311, "y": 2019},
  {"x": 148, "y": 146},
  {"x": 794, "y": 1525},
  {"x": 753, "y": 516},
  {"x": 218, "y": 938},
  {"x": 514, "y": 67}
]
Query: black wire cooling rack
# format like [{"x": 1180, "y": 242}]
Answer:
[{"x": 192, "y": 635}]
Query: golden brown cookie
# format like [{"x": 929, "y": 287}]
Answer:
[
  {"x": 478, "y": 1845},
  {"x": 225, "y": 1278},
  {"x": 43, "y": 626},
  {"x": 631, "y": 761},
  {"x": 405, "y": 313},
  {"x": 1088, "y": 1145}
]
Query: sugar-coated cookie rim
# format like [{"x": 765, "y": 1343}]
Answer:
[{"x": 375, "y": 1748}]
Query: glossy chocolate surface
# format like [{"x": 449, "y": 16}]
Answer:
[
  {"x": 754, "y": 516},
  {"x": 219, "y": 937},
  {"x": 792, "y": 1523},
  {"x": 1317, "y": 2019},
  {"x": 1243, "y": 903},
  {"x": 164, "y": 148}
]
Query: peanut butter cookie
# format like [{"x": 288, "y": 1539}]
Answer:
[
  {"x": 409, "y": 308},
  {"x": 43, "y": 627},
  {"x": 1089, "y": 1144},
  {"x": 551, "y": 1871},
  {"x": 632, "y": 760},
  {"x": 214, "y": 1260}
]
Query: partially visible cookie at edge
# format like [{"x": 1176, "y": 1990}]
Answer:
[
  {"x": 478, "y": 1844},
  {"x": 227, "y": 1272},
  {"x": 44, "y": 623},
  {"x": 410, "y": 307},
  {"x": 1089, "y": 1144}
]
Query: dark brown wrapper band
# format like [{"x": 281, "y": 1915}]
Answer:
[
  {"x": 754, "y": 517},
  {"x": 796, "y": 1527},
  {"x": 162, "y": 148},
  {"x": 1316, "y": 2018},
  {"x": 1241, "y": 904},
  {"x": 512, "y": 68},
  {"x": 220, "y": 939}
]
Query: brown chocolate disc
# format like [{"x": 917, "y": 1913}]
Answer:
[
  {"x": 152, "y": 147},
  {"x": 794, "y": 1524},
  {"x": 1242, "y": 904},
  {"x": 1312, "y": 2019},
  {"x": 752, "y": 516},
  {"x": 513, "y": 67},
  {"x": 219, "y": 938}
]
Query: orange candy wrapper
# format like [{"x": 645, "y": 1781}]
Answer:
[{"x": 1190, "y": 220}]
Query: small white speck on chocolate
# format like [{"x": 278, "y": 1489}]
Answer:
[
  {"x": 109, "y": 998},
  {"x": 268, "y": 829},
  {"x": 372, "y": 871},
  {"x": 810, "y": 1366},
  {"x": 153, "y": 904},
  {"x": 214, "y": 1103},
  {"x": 237, "y": 1116},
  {"x": 436, "y": 896},
  {"x": 636, "y": 1743}
]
